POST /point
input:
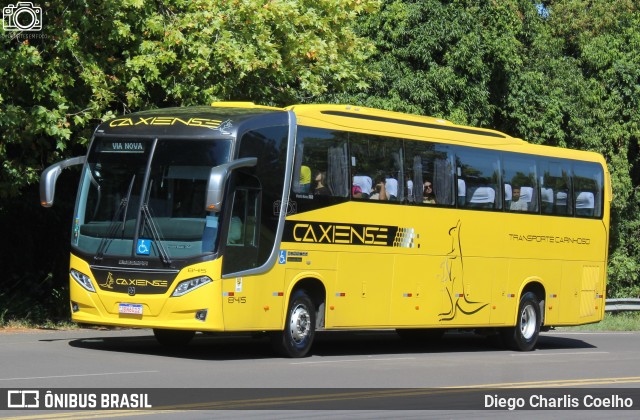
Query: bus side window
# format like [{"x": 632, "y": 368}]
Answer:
[
  {"x": 374, "y": 160},
  {"x": 588, "y": 185},
  {"x": 480, "y": 172},
  {"x": 429, "y": 163},
  {"x": 519, "y": 173},
  {"x": 555, "y": 187},
  {"x": 320, "y": 167}
]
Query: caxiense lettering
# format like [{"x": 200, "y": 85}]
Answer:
[
  {"x": 191, "y": 122},
  {"x": 340, "y": 234},
  {"x": 142, "y": 282},
  {"x": 121, "y": 281}
]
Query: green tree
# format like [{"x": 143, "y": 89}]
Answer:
[
  {"x": 450, "y": 59},
  {"x": 563, "y": 73},
  {"x": 96, "y": 58},
  {"x": 580, "y": 88}
]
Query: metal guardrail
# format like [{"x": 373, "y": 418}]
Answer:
[{"x": 622, "y": 305}]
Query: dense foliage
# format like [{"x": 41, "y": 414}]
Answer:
[{"x": 563, "y": 73}]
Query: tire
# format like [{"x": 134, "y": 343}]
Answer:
[
  {"x": 524, "y": 335},
  {"x": 173, "y": 338},
  {"x": 299, "y": 329}
]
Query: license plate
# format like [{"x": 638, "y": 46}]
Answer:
[{"x": 130, "y": 308}]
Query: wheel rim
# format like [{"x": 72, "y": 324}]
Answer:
[
  {"x": 528, "y": 322},
  {"x": 300, "y": 324}
]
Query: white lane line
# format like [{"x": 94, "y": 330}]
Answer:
[
  {"x": 558, "y": 354},
  {"x": 77, "y": 376},
  {"x": 353, "y": 360}
]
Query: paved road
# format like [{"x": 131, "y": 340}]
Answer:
[{"x": 358, "y": 361}]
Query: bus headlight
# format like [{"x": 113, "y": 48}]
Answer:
[
  {"x": 82, "y": 279},
  {"x": 186, "y": 286}
]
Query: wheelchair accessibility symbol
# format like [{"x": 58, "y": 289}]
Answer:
[
  {"x": 144, "y": 247},
  {"x": 282, "y": 258}
]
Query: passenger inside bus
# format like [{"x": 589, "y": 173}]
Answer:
[
  {"x": 380, "y": 192},
  {"x": 428, "y": 197},
  {"x": 305, "y": 179},
  {"x": 364, "y": 183},
  {"x": 391, "y": 188},
  {"x": 356, "y": 192},
  {"x": 321, "y": 188},
  {"x": 518, "y": 203}
]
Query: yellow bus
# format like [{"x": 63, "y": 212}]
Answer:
[{"x": 239, "y": 217}]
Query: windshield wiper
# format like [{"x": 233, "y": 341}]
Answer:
[
  {"x": 155, "y": 233},
  {"x": 113, "y": 227}
]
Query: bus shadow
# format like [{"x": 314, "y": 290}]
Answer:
[{"x": 327, "y": 344}]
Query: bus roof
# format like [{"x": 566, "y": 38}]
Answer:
[
  {"x": 395, "y": 124},
  {"x": 192, "y": 122},
  {"x": 225, "y": 118}
]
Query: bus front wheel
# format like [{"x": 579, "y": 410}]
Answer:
[
  {"x": 524, "y": 335},
  {"x": 299, "y": 329}
]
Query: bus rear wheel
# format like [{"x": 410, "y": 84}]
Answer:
[
  {"x": 299, "y": 330},
  {"x": 173, "y": 338},
  {"x": 524, "y": 335}
]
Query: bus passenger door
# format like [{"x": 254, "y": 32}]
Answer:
[
  {"x": 242, "y": 236},
  {"x": 244, "y": 298}
]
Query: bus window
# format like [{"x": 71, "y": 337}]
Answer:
[
  {"x": 555, "y": 187},
  {"x": 242, "y": 228},
  {"x": 479, "y": 172},
  {"x": 269, "y": 145},
  {"x": 588, "y": 189},
  {"x": 520, "y": 186},
  {"x": 432, "y": 165},
  {"x": 377, "y": 161},
  {"x": 320, "y": 167}
]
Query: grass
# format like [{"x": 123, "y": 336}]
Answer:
[
  {"x": 15, "y": 324},
  {"x": 623, "y": 321}
]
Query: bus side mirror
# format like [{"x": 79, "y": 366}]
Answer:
[
  {"x": 50, "y": 176},
  {"x": 218, "y": 179}
]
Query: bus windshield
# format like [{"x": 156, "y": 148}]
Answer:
[{"x": 146, "y": 198}]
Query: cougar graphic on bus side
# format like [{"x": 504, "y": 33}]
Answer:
[{"x": 453, "y": 276}]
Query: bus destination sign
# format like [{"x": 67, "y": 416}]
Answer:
[{"x": 122, "y": 146}]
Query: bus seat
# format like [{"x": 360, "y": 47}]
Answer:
[
  {"x": 462, "y": 192},
  {"x": 527, "y": 194},
  {"x": 483, "y": 198},
  {"x": 585, "y": 204},
  {"x": 508, "y": 195},
  {"x": 546, "y": 195},
  {"x": 561, "y": 202}
]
